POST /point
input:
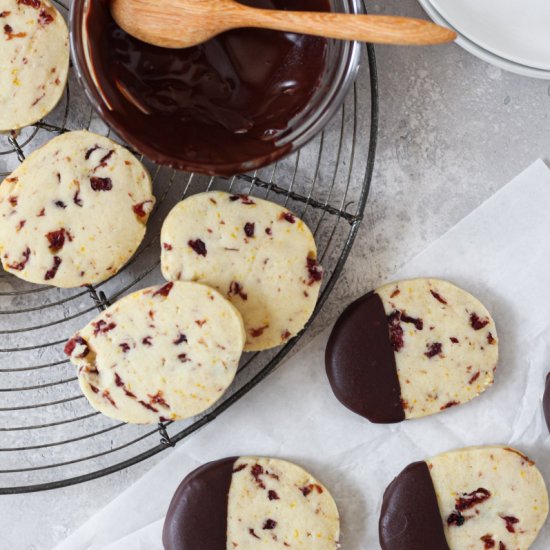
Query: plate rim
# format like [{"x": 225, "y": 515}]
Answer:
[
  {"x": 482, "y": 53},
  {"x": 442, "y": 10}
]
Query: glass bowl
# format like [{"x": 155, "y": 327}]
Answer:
[{"x": 342, "y": 64}]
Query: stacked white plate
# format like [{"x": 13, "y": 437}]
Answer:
[{"x": 511, "y": 34}]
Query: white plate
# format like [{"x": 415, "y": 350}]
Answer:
[
  {"x": 518, "y": 30},
  {"x": 481, "y": 52}
]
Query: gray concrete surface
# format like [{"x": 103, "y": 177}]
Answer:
[{"x": 453, "y": 130}]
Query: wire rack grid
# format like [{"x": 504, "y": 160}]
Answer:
[{"x": 49, "y": 435}]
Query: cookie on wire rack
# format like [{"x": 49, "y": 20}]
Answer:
[
  {"x": 251, "y": 502},
  {"x": 74, "y": 212},
  {"x": 34, "y": 61},
  {"x": 162, "y": 353},
  {"x": 255, "y": 252}
]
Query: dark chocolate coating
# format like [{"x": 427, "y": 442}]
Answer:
[
  {"x": 360, "y": 362},
  {"x": 212, "y": 108},
  {"x": 197, "y": 516},
  {"x": 410, "y": 517},
  {"x": 546, "y": 402}
]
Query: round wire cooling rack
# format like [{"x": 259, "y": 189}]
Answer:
[{"x": 50, "y": 437}]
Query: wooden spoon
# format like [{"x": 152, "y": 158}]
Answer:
[{"x": 185, "y": 23}]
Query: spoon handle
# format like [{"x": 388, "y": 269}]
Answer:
[{"x": 378, "y": 29}]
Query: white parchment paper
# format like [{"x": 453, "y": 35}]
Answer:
[{"x": 500, "y": 253}]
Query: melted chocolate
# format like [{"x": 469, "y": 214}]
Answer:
[
  {"x": 360, "y": 362},
  {"x": 546, "y": 402},
  {"x": 197, "y": 516},
  {"x": 216, "y": 108},
  {"x": 410, "y": 517}
]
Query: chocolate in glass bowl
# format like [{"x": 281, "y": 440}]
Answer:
[{"x": 235, "y": 103}]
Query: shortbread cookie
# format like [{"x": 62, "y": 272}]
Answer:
[
  {"x": 163, "y": 353},
  {"x": 74, "y": 212},
  {"x": 469, "y": 499},
  {"x": 258, "y": 254},
  {"x": 249, "y": 503},
  {"x": 34, "y": 61},
  {"x": 411, "y": 349}
]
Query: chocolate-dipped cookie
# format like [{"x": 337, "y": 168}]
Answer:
[
  {"x": 411, "y": 349},
  {"x": 249, "y": 503},
  {"x": 546, "y": 402},
  {"x": 473, "y": 498}
]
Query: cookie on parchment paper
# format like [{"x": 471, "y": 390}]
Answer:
[
  {"x": 249, "y": 503},
  {"x": 472, "y": 498},
  {"x": 411, "y": 349}
]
